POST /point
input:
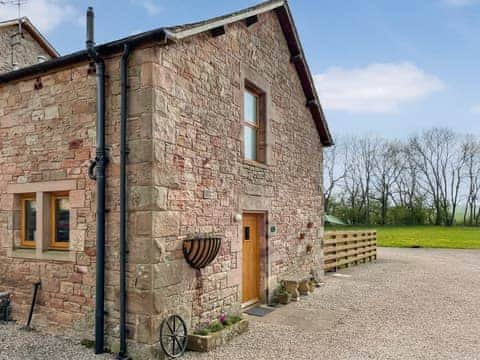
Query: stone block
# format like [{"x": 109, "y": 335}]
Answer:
[
  {"x": 142, "y": 222},
  {"x": 140, "y": 151},
  {"x": 234, "y": 277},
  {"x": 165, "y": 223},
  {"x": 77, "y": 198},
  {"x": 140, "y": 198},
  {"x": 77, "y": 239},
  {"x": 51, "y": 112},
  {"x": 140, "y": 302},
  {"x": 140, "y": 102},
  {"x": 143, "y": 276},
  {"x": 167, "y": 274}
]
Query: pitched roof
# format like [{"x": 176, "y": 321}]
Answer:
[
  {"x": 34, "y": 32},
  {"x": 176, "y": 33}
]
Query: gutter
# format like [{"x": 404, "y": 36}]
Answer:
[
  {"x": 100, "y": 164},
  {"x": 103, "y": 50}
]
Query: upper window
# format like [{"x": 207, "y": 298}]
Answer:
[
  {"x": 253, "y": 125},
  {"x": 60, "y": 213},
  {"x": 29, "y": 220}
]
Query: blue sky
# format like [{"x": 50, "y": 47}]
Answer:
[{"x": 381, "y": 67}]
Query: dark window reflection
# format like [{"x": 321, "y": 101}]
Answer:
[
  {"x": 247, "y": 233},
  {"x": 62, "y": 220},
  {"x": 30, "y": 220}
]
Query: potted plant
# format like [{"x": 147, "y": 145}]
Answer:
[
  {"x": 208, "y": 336},
  {"x": 283, "y": 296}
]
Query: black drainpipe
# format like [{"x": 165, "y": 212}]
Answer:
[
  {"x": 122, "y": 355},
  {"x": 100, "y": 164}
]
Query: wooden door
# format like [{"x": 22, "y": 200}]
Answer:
[{"x": 251, "y": 258}]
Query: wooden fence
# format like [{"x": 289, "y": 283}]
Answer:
[{"x": 344, "y": 248}]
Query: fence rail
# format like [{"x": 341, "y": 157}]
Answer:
[{"x": 344, "y": 248}]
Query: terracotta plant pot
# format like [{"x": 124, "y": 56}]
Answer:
[{"x": 284, "y": 298}]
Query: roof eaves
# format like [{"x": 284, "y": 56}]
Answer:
[
  {"x": 298, "y": 59},
  {"x": 184, "y": 31},
  {"x": 158, "y": 35}
]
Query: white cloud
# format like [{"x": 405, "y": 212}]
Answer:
[
  {"x": 460, "y": 3},
  {"x": 44, "y": 14},
  {"x": 150, "y": 5},
  {"x": 378, "y": 88},
  {"x": 475, "y": 109}
]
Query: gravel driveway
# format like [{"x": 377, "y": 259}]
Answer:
[
  {"x": 16, "y": 344},
  {"x": 411, "y": 304}
]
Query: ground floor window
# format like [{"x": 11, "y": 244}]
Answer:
[
  {"x": 29, "y": 220},
  {"x": 60, "y": 225}
]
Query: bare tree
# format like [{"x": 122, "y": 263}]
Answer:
[
  {"x": 426, "y": 176},
  {"x": 441, "y": 161},
  {"x": 471, "y": 215},
  {"x": 389, "y": 165},
  {"x": 334, "y": 171},
  {"x": 367, "y": 148}
]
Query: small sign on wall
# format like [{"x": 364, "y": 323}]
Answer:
[
  {"x": 272, "y": 229},
  {"x": 209, "y": 194}
]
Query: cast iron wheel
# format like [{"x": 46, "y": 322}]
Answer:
[{"x": 173, "y": 336}]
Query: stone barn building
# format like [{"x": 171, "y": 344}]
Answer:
[{"x": 213, "y": 137}]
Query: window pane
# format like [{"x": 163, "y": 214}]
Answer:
[
  {"x": 30, "y": 220},
  {"x": 62, "y": 220},
  {"x": 250, "y": 107},
  {"x": 250, "y": 139}
]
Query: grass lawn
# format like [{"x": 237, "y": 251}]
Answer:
[{"x": 456, "y": 237}]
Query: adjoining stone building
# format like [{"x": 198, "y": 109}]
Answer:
[
  {"x": 21, "y": 44},
  {"x": 225, "y": 135}
]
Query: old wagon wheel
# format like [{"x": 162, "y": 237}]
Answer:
[{"x": 173, "y": 336}]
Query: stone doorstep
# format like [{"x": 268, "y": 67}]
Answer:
[{"x": 211, "y": 341}]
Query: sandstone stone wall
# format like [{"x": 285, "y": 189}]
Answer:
[
  {"x": 22, "y": 50},
  {"x": 197, "y": 146},
  {"x": 47, "y": 132},
  {"x": 185, "y": 138},
  {"x": 47, "y": 136}
]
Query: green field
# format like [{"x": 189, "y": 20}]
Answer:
[{"x": 456, "y": 237}]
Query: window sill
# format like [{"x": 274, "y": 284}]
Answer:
[
  {"x": 24, "y": 253},
  {"x": 51, "y": 255},
  {"x": 59, "y": 255},
  {"x": 59, "y": 249},
  {"x": 255, "y": 163}
]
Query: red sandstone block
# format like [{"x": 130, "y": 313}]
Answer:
[
  {"x": 76, "y": 299},
  {"x": 77, "y": 198}
]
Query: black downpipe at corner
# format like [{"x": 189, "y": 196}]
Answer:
[
  {"x": 100, "y": 165},
  {"x": 122, "y": 355}
]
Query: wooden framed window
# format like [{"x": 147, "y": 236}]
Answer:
[
  {"x": 28, "y": 224},
  {"x": 253, "y": 124},
  {"x": 60, "y": 220},
  {"x": 250, "y": 122}
]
